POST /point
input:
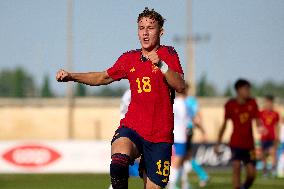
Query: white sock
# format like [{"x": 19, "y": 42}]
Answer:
[
  {"x": 187, "y": 167},
  {"x": 184, "y": 179},
  {"x": 173, "y": 178},
  {"x": 184, "y": 175},
  {"x": 280, "y": 166}
]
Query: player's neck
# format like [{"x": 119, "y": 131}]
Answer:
[
  {"x": 269, "y": 109},
  {"x": 240, "y": 100},
  {"x": 145, "y": 52}
]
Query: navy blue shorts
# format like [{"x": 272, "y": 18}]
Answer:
[
  {"x": 265, "y": 145},
  {"x": 243, "y": 155},
  {"x": 155, "y": 157}
]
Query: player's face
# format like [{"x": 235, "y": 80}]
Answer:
[
  {"x": 268, "y": 104},
  {"x": 149, "y": 33},
  {"x": 244, "y": 92}
]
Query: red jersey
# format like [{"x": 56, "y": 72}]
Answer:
[
  {"x": 242, "y": 116},
  {"x": 269, "y": 120},
  {"x": 150, "y": 112}
]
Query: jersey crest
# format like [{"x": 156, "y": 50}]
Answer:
[
  {"x": 132, "y": 70},
  {"x": 154, "y": 68}
]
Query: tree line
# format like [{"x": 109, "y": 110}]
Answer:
[
  {"x": 207, "y": 89},
  {"x": 18, "y": 83}
]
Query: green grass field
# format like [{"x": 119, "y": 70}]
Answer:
[{"x": 219, "y": 180}]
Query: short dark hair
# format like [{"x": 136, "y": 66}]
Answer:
[
  {"x": 269, "y": 97},
  {"x": 242, "y": 83},
  {"x": 152, "y": 14}
]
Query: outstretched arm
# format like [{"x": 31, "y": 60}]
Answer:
[{"x": 90, "y": 78}]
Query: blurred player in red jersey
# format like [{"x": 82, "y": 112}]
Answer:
[
  {"x": 270, "y": 120},
  {"x": 242, "y": 110},
  {"x": 154, "y": 73}
]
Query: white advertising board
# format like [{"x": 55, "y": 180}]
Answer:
[{"x": 54, "y": 156}]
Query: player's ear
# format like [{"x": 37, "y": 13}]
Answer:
[{"x": 161, "y": 32}]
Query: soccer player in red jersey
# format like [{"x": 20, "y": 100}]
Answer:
[
  {"x": 270, "y": 120},
  {"x": 242, "y": 110},
  {"x": 154, "y": 73}
]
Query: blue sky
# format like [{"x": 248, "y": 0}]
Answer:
[{"x": 246, "y": 37}]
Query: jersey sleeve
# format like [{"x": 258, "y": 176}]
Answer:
[
  {"x": 227, "y": 114},
  {"x": 172, "y": 60},
  {"x": 195, "y": 107},
  {"x": 118, "y": 70},
  {"x": 191, "y": 106},
  {"x": 175, "y": 108}
]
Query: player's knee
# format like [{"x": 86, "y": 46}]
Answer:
[{"x": 119, "y": 171}]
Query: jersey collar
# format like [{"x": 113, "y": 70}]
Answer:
[{"x": 145, "y": 59}]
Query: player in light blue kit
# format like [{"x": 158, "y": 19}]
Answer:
[
  {"x": 186, "y": 116},
  {"x": 194, "y": 121},
  {"x": 180, "y": 140}
]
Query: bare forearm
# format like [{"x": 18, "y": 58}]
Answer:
[
  {"x": 197, "y": 121},
  {"x": 91, "y": 78},
  {"x": 259, "y": 123},
  {"x": 221, "y": 133},
  {"x": 175, "y": 80},
  {"x": 201, "y": 128}
]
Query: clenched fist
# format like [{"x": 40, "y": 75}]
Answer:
[
  {"x": 153, "y": 57},
  {"x": 63, "y": 76}
]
